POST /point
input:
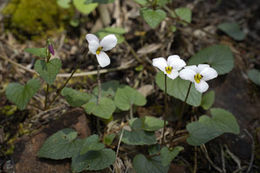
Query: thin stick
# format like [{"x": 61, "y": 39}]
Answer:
[
  {"x": 166, "y": 107},
  {"x": 118, "y": 146},
  {"x": 252, "y": 152},
  {"x": 195, "y": 160},
  {"x": 99, "y": 83},
  {"x": 204, "y": 149},
  {"x": 223, "y": 159},
  {"x": 131, "y": 111}
]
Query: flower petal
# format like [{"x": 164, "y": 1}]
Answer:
[
  {"x": 187, "y": 74},
  {"x": 108, "y": 42},
  {"x": 201, "y": 67},
  {"x": 93, "y": 46},
  {"x": 92, "y": 37},
  {"x": 176, "y": 62},
  {"x": 174, "y": 74},
  {"x": 160, "y": 63},
  {"x": 202, "y": 86},
  {"x": 209, "y": 73},
  {"x": 103, "y": 59},
  {"x": 193, "y": 67}
]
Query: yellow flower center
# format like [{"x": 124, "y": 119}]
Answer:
[
  {"x": 168, "y": 69},
  {"x": 99, "y": 50},
  {"x": 198, "y": 77}
]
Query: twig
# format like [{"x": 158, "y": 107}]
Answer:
[
  {"x": 233, "y": 156},
  {"x": 118, "y": 146},
  {"x": 195, "y": 160},
  {"x": 204, "y": 149},
  {"x": 122, "y": 67},
  {"x": 252, "y": 152},
  {"x": 46, "y": 97},
  {"x": 223, "y": 159},
  {"x": 133, "y": 52}
]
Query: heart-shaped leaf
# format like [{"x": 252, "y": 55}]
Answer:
[
  {"x": 254, "y": 75},
  {"x": 48, "y": 71},
  {"x": 64, "y": 3},
  {"x": 60, "y": 145},
  {"x": 184, "y": 14},
  {"x": 178, "y": 88},
  {"x": 118, "y": 32},
  {"x": 93, "y": 160},
  {"x": 108, "y": 89},
  {"x": 206, "y": 128},
  {"x": 233, "y": 30},
  {"x": 219, "y": 57},
  {"x": 40, "y": 52},
  {"x": 153, "y": 17},
  {"x": 75, "y": 98},
  {"x": 104, "y": 109},
  {"x": 21, "y": 95},
  {"x": 127, "y": 96},
  {"x": 137, "y": 136},
  {"x": 168, "y": 155},
  {"x": 208, "y": 99},
  {"x": 152, "y": 165},
  {"x": 83, "y": 7},
  {"x": 150, "y": 123},
  {"x": 91, "y": 143}
]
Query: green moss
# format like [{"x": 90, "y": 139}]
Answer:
[{"x": 35, "y": 18}]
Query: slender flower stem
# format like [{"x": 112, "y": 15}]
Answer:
[
  {"x": 166, "y": 108},
  {"x": 131, "y": 111},
  {"x": 61, "y": 88},
  {"x": 99, "y": 83},
  {"x": 182, "y": 109}
]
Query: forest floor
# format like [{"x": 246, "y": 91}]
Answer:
[{"x": 23, "y": 132}]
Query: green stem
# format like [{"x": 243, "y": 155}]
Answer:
[
  {"x": 182, "y": 110},
  {"x": 131, "y": 111},
  {"x": 61, "y": 88},
  {"x": 99, "y": 83},
  {"x": 166, "y": 108}
]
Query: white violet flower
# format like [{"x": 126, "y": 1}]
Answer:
[
  {"x": 99, "y": 48},
  {"x": 199, "y": 75},
  {"x": 170, "y": 67}
]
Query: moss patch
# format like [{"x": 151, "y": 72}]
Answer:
[{"x": 35, "y": 18}]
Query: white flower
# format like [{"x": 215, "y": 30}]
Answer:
[
  {"x": 199, "y": 75},
  {"x": 170, "y": 67},
  {"x": 99, "y": 48}
]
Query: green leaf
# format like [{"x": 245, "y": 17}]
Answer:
[
  {"x": 91, "y": 143},
  {"x": 141, "y": 2},
  {"x": 112, "y": 30},
  {"x": 153, "y": 165},
  {"x": 150, "y": 123},
  {"x": 74, "y": 22},
  {"x": 232, "y": 30},
  {"x": 104, "y": 109},
  {"x": 138, "y": 136},
  {"x": 168, "y": 155},
  {"x": 178, "y": 88},
  {"x": 60, "y": 145},
  {"x": 206, "y": 128},
  {"x": 127, "y": 96},
  {"x": 254, "y": 75},
  {"x": 83, "y": 7},
  {"x": 40, "y": 52},
  {"x": 48, "y": 71},
  {"x": 109, "y": 138},
  {"x": 153, "y": 17},
  {"x": 219, "y": 57},
  {"x": 75, "y": 98},
  {"x": 21, "y": 95},
  {"x": 93, "y": 160},
  {"x": 99, "y": 1},
  {"x": 163, "y": 2},
  {"x": 184, "y": 14},
  {"x": 108, "y": 89},
  {"x": 208, "y": 100},
  {"x": 64, "y": 3}
]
